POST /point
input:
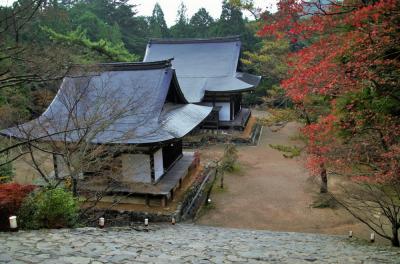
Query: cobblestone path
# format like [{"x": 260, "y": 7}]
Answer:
[{"x": 185, "y": 243}]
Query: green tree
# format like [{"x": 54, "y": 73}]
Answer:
[
  {"x": 118, "y": 16},
  {"x": 49, "y": 208},
  {"x": 157, "y": 25},
  {"x": 231, "y": 22},
  {"x": 181, "y": 28},
  {"x": 97, "y": 29},
  {"x": 110, "y": 51},
  {"x": 270, "y": 62},
  {"x": 200, "y": 24}
]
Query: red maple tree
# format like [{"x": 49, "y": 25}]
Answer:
[
  {"x": 349, "y": 67},
  {"x": 11, "y": 197}
]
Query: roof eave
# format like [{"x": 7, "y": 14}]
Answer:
[
  {"x": 194, "y": 40},
  {"x": 231, "y": 91},
  {"x": 119, "y": 66}
]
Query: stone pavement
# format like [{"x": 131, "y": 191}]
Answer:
[{"x": 185, "y": 243}]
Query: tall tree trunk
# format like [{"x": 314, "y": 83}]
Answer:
[
  {"x": 395, "y": 235},
  {"x": 74, "y": 186},
  {"x": 324, "y": 180}
]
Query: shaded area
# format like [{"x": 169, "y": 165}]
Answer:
[{"x": 169, "y": 181}]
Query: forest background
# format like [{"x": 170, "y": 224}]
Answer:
[{"x": 41, "y": 39}]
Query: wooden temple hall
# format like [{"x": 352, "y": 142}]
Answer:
[
  {"x": 138, "y": 109},
  {"x": 209, "y": 73}
]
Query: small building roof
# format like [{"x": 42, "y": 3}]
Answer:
[
  {"x": 203, "y": 65},
  {"x": 116, "y": 103}
]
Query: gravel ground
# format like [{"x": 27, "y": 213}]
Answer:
[{"x": 272, "y": 192}]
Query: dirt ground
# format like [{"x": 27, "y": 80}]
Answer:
[{"x": 274, "y": 193}]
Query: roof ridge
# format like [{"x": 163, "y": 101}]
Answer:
[
  {"x": 121, "y": 66},
  {"x": 194, "y": 40}
]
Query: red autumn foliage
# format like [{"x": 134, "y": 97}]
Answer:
[
  {"x": 320, "y": 138},
  {"x": 350, "y": 47},
  {"x": 11, "y": 197}
]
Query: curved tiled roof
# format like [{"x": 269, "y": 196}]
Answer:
[
  {"x": 122, "y": 103},
  {"x": 202, "y": 64}
]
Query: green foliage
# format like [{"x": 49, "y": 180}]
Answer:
[
  {"x": 289, "y": 151},
  {"x": 270, "y": 62},
  {"x": 365, "y": 108},
  {"x": 112, "y": 51},
  {"x": 200, "y": 24},
  {"x": 157, "y": 25},
  {"x": 14, "y": 103},
  {"x": 63, "y": 32},
  {"x": 324, "y": 201},
  {"x": 49, "y": 208},
  {"x": 251, "y": 99},
  {"x": 277, "y": 116},
  {"x": 244, "y": 4},
  {"x": 6, "y": 171},
  {"x": 98, "y": 29},
  {"x": 231, "y": 23},
  {"x": 181, "y": 29}
]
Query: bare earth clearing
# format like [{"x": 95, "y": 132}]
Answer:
[{"x": 274, "y": 193}]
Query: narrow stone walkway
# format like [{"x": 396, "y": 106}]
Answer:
[{"x": 185, "y": 243}]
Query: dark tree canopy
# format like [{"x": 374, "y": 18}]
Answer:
[
  {"x": 200, "y": 23},
  {"x": 157, "y": 25},
  {"x": 50, "y": 35},
  {"x": 181, "y": 29}
]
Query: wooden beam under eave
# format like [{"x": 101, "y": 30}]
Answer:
[{"x": 152, "y": 172}]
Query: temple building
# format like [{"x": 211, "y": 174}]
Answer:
[
  {"x": 209, "y": 73},
  {"x": 137, "y": 110}
]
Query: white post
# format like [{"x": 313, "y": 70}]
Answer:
[
  {"x": 13, "y": 222},
  {"x": 146, "y": 222},
  {"x": 101, "y": 222},
  {"x": 173, "y": 221},
  {"x": 350, "y": 234},
  {"x": 372, "y": 238}
]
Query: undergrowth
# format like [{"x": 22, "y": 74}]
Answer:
[
  {"x": 278, "y": 116},
  {"x": 289, "y": 151},
  {"x": 324, "y": 201}
]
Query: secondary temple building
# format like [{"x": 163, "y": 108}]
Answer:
[
  {"x": 136, "y": 109},
  {"x": 209, "y": 73}
]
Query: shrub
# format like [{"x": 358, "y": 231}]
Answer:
[
  {"x": 49, "y": 208},
  {"x": 252, "y": 99},
  {"x": 229, "y": 159},
  {"x": 12, "y": 196},
  {"x": 289, "y": 151},
  {"x": 324, "y": 201},
  {"x": 278, "y": 116},
  {"x": 6, "y": 171}
]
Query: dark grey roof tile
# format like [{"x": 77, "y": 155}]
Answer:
[{"x": 202, "y": 64}]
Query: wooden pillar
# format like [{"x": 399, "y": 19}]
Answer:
[
  {"x": 55, "y": 165},
  {"x": 147, "y": 200},
  {"x": 153, "y": 177},
  {"x": 164, "y": 201},
  {"x": 232, "y": 108}
]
